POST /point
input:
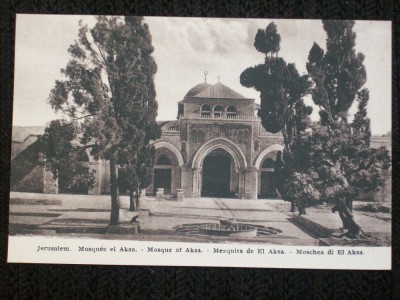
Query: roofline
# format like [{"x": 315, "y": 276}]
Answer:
[
  {"x": 194, "y": 97},
  {"x": 23, "y": 141}
]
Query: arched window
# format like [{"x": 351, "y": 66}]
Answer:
[
  {"x": 218, "y": 111},
  {"x": 163, "y": 160},
  {"x": 205, "y": 111},
  {"x": 268, "y": 164},
  {"x": 231, "y": 112},
  {"x": 172, "y": 128}
]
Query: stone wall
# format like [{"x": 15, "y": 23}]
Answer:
[{"x": 32, "y": 182}]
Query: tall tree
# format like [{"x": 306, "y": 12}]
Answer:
[
  {"x": 109, "y": 93},
  {"x": 338, "y": 75},
  {"x": 331, "y": 160},
  {"x": 281, "y": 91}
]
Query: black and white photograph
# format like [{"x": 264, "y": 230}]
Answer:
[{"x": 201, "y": 142}]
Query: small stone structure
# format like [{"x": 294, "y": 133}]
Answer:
[
  {"x": 160, "y": 194},
  {"x": 179, "y": 195}
]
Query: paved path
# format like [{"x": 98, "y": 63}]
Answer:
[
  {"x": 168, "y": 214},
  {"x": 332, "y": 221}
]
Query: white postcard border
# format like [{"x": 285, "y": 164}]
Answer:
[{"x": 36, "y": 249}]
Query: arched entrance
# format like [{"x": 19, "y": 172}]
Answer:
[
  {"x": 225, "y": 162},
  {"x": 217, "y": 175},
  {"x": 265, "y": 164},
  {"x": 167, "y": 168},
  {"x": 267, "y": 180},
  {"x": 163, "y": 174}
]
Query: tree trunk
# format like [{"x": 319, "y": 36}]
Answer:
[
  {"x": 292, "y": 206},
  {"x": 137, "y": 199},
  {"x": 349, "y": 203},
  {"x": 302, "y": 210},
  {"x": 132, "y": 202},
  {"x": 354, "y": 230},
  {"x": 114, "y": 217},
  {"x": 343, "y": 206}
]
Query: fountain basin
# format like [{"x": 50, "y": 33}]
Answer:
[
  {"x": 235, "y": 230},
  {"x": 216, "y": 229}
]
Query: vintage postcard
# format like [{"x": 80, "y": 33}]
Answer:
[{"x": 201, "y": 142}]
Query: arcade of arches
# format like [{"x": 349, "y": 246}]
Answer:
[
  {"x": 217, "y": 147},
  {"x": 218, "y": 169}
]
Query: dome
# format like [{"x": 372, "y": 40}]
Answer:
[
  {"x": 216, "y": 91},
  {"x": 220, "y": 91},
  {"x": 197, "y": 89}
]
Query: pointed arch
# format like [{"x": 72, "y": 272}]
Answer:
[
  {"x": 220, "y": 143},
  {"x": 265, "y": 152},
  {"x": 172, "y": 148}
]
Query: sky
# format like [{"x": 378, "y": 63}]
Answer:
[{"x": 184, "y": 49}]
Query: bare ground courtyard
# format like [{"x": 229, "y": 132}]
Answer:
[{"x": 87, "y": 216}]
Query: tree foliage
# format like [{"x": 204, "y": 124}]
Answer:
[
  {"x": 268, "y": 40},
  {"x": 281, "y": 89},
  {"x": 109, "y": 93},
  {"x": 339, "y": 72},
  {"x": 66, "y": 159}
]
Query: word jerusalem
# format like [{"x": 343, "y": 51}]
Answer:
[{"x": 54, "y": 248}]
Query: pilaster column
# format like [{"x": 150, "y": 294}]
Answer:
[
  {"x": 196, "y": 182},
  {"x": 187, "y": 180},
  {"x": 251, "y": 176}
]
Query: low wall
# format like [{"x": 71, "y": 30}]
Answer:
[{"x": 67, "y": 201}]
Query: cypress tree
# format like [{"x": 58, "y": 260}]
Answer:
[{"x": 109, "y": 93}]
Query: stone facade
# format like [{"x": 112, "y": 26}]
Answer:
[{"x": 214, "y": 121}]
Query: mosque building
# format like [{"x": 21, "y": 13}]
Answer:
[{"x": 216, "y": 147}]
